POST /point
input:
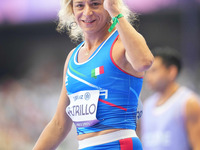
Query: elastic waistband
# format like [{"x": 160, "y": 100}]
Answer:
[{"x": 107, "y": 138}]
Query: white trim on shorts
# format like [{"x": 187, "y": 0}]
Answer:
[{"x": 107, "y": 138}]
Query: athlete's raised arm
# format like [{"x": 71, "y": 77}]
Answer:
[{"x": 136, "y": 50}]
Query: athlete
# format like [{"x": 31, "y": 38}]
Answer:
[
  {"x": 171, "y": 118},
  {"x": 102, "y": 78}
]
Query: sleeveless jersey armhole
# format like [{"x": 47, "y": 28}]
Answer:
[{"x": 111, "y": 57}]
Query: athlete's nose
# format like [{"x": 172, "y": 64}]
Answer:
[{"x": 87, "y": 11}]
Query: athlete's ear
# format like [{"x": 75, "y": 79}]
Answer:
[{"x": 173, "y": 72}]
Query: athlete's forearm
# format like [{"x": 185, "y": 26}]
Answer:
[{"x": 53, "y": 134}]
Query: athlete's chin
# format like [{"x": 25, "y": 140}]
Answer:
[
  {"x": 151, "y": 87},
  {"x": 90, "y": 30}
]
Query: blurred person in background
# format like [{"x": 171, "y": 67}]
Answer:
[
  {"x": 171, "y": 118},
  {"x": 102, "y": 78}
]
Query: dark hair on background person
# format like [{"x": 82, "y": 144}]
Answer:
[{"x": 170, "y": 56}]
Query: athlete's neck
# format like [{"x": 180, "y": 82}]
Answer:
[
  {"x": 94, "y": 39},
  {"x": 167, "y": 93}
]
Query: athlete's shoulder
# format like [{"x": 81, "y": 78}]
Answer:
[
  {"x": 68, "y": 58},
  {"x": 186, "y": 93},
  {"x": 193, "y": 101}
]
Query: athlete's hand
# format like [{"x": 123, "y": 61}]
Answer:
[{"x": 113, "y": 7}]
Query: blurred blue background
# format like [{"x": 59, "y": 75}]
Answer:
[{"x": 32, "y": 56}]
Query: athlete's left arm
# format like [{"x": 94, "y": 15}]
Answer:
[
  {"x": 136, "y": 50},
  {"x": 192, "y": 114}
]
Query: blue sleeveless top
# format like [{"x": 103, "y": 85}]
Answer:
[{"x": 119, "y": 91}]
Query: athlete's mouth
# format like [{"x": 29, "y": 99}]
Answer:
[{"x": 88, "y": 21}]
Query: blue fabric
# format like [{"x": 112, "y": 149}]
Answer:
[{"x": 119, "y": 91}]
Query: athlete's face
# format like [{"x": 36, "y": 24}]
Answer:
[
  {"x": 157, "y": 77},
  {"x": 90, "y": 14}
]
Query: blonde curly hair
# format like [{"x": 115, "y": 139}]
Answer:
[{"x": 67, "y": 19}]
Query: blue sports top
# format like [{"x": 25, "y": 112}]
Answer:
[{"x": 118, "y": 91}]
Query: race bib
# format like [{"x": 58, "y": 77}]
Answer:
[{"x": 83, "y": 108}]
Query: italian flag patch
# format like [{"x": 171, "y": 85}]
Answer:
[{"x": 97, "y": 71}]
